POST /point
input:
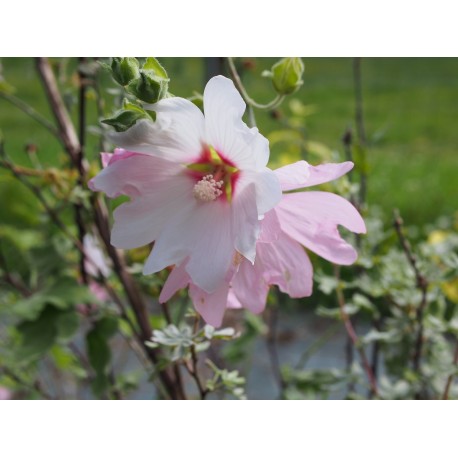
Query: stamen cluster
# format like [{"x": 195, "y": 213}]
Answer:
[{"x": 207, "y": 189}]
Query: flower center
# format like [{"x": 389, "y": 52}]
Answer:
[
  {"x": 215, "y": 176},
  {"x": 207, "y": 189}
]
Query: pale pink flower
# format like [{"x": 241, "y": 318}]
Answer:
[
  {"x": 5, "y": 394},
  {"x": 198, "y": 186},
  {"x": 97, "y": 265},
  {"x": 96, "y": 260},
  {"x": 307, "y": 219}
]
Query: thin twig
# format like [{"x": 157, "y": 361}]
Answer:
[
  {"x": 72, "y": 146},
  {"x": 422, "y": 285},
  {"x": 359, "y": 121},
  {"x": 81, "y": 168},
  {"x": 10, "y": 279},
  {"x": 450, "y": 377},
  {"x": 36, "y": 385},
  {"x": 191, "y": 366},
  {"x": 241, "y": 88},
  {"x": 30, "y": 111},
  {"x": 66, "y": 130},
  {"x": 271, "y": 341},
  {"x": 176, "y": 369},
  {"x": 352, "y": 333},
  {"x": 316, "y": 345}
]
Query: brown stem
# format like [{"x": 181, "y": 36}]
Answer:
[
  {"x": 450, "y": 377},
  {"x": 422, "y": 285},
  {"x": 176, "y": 369},
  {"x": 66, "y": 130},
  {"x": 191, "y": 366},
  {"x": 352, "y": 334},
  {"x": 72, "y": 145},
  {"x": 80, "y": 166}
]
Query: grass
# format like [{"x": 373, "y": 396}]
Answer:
[{"x": 409, "y": 106}]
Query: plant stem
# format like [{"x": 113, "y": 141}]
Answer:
[
  {"x": 422, "y": 285},
  {"x": 352, "y": 333},
  {"x": 71, "y": 143},
  {"x": 271, "y": 341},
  {"x": 450, "y": 377},
  {"x": 359, "y": 121},
  {"x": 80, "y": 165},
  {"x": 30, "y": 111},
  {"x": 248, "y": 100}
]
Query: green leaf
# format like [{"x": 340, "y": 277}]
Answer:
[
  {"x": 125, "y": 119},
  {"x": 37, "y": 336},
  {"x": 154, "y": 65},
  {"x": 67, "y": 324},
  {"x": 99, "y": 352},
  {"x": 63, "y": 294}
]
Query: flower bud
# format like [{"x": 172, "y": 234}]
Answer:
[
  {"x": 287, "y": 74},
  {"x": 125, "y": 69},
  {"x": 148, "y": 87}
]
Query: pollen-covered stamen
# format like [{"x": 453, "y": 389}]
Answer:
[{"x": 207, "y": 189}]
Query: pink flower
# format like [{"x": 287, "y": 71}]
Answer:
[
  {"x": 198, "y": 186},
  {"x": 300, "y": 219},
  {"x": 5, "y": 394},
  {"x": 97, "y": 265}
]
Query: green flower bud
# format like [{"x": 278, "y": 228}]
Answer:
[
  {"x": 125, "y": 69},
  {"x": 148, "y": 87},
  {"x": 287, "y": 74}
]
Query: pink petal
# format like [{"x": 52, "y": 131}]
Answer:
[
  {"x": 301, "y": 174},
  {"x": 210, "y": 306},
  {"x": 96, "y": 261},
  {"x": 232, "y": 301},
  {"x": 286, "y": 264},
  {"x": 246, "y": 148},
  {"x": 270, "y": 227},
  {"x": 177, "y": 279},
  {"x": 311, "y": 218},
  {"x": 250, "y": 287},
  {"x": 105, "y": 158},
  {"x": 131, "y": 174},
  {"x": 177, "y": 134}
]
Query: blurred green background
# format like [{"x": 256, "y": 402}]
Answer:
[{"x": 410, "y": 111}]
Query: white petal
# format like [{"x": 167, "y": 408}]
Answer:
[
  {"x": 245, "y": 222},
  {"x": 213, "y": 247},
  {"x": 174, "y": 243},
  {"x": 268, "y": 191},
  {"x": 177, "y": 134},
  {"x": 246, "y": 148},
  {"x": 201, "y": 231}
]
